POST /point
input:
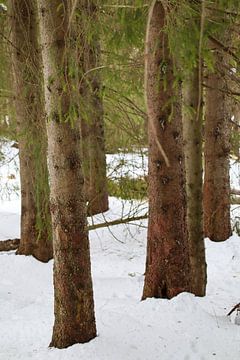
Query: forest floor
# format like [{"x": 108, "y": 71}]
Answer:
[{"x": 184, "y": 328}]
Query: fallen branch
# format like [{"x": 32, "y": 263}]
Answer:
[
  {"x": 233, "y": 309},
  {"x": 235, "y": 200},
  {"x": 8, "y": 245},
  {"x": 235, "y": 192},
  {"x": 12, "y": 244},
  {"x": 117, "y": 222}
]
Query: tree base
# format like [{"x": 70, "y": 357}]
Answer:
[
  {"x": 63, "y": 342},
  {"x": 43, "y": 254}
]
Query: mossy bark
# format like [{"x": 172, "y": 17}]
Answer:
[
  {"x": 73, "y": 293},
  {"x": 92, "y": 120},
  {"x": 36, "y": 236},
  {"x": 192, "y": 135},
  {"x": 167, "y": 266}
]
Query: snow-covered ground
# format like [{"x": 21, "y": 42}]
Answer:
[{"x": 184, "y": 328}]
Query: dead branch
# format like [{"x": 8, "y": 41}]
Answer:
[
  {"x": 15, "y": 145},
  {"x": 227, "y": 92},
  {"x": 233, "y": 309},
  {"x": 117, "y": 222},
  {"x": 224, "y": 48},
  {"x": 13, "y": 244},
  {"x": 235, "y": 201},
  {"x": 234, "y": 123},
  {"x": 8, "y": 245}
]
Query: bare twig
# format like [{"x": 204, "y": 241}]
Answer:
[
  {"x": 233, "y": 309},
  {"x": 224, "y": 48}
]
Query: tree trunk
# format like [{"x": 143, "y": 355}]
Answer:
[
  {"x": 167, "y": 266},
  {"x": 73, "y": 306},
  {"x": 192, "y": 135},
  {"x": 217, "y": 225},
  {"x": 36, "y": 237},
  {"x": 92, "y": 121}
]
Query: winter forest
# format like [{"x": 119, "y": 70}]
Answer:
[{"x": 119, "y": 179}]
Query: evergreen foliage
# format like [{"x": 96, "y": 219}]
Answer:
[{"x": 122, "y": 27}]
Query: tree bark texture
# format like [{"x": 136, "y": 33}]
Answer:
[
  {"x": 167, "y": 265},
  {"x": 73, "y": 293},
  {"x": 217, "y": 225},
  {"x": 36, "y": 236},
  {"x": 92, "y": 119},
  {"x": 192, "y": 135}
]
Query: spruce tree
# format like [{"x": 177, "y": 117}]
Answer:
[
  {"x": 167, "y": 265},
  {"x": 73, "y": 294},
  {"x": 192, "y": 76},
  {"x": 92, "y": 113},
  {"x": 29, "y": 113}
]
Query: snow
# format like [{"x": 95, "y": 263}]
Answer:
[
  {"x": 235, "y": 174},
  {"x": 184, "y": 328},
  {"x": 9, "y": 172},
  {"x": 123, "y": 164},
  {"x": 135, "y": 165}
]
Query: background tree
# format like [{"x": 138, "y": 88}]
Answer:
[
  {"x": 73, "y": 294},
  {"x": 36, "y": 238},
  {"x": 167, "y": 265},
  {"x": 217, "y": 222},
  {"x": 92, "y": 114},
  {"x": 188, "y": 29}
]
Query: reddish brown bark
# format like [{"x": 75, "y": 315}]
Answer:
[
  {"x": 167, "y": 266},
  {"x": 74, "y": 306},
  {"x": 217, "y": 225},
  {"x": 73, "y": 294}
]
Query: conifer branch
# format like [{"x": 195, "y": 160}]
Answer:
[{"x": 224, "y": 48}]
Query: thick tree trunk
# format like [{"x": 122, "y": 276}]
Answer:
[
  {"x": 36, "y": 237},
  {"x": 74, "y": 306},
  {"x": 192, "y": 135},
  {"x": 92, "y": 121},
  {"x": 217, "y": 225},
  {"x": 167, "y": 266}
]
